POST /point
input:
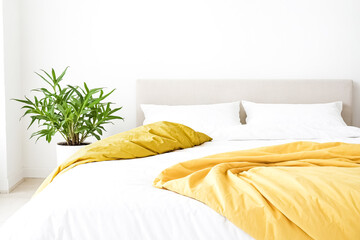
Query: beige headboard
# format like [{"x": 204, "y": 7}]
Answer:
[{"x": 185, "y": 92}]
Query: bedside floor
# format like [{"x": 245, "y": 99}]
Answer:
[{"x": 11, "y": 202}]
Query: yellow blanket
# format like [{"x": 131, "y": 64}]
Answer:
[
  {"x": 300, "y": 190},
  {"x": 147, "y": 140}
]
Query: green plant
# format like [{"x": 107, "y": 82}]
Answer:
[{"x": 75, "y": 112}]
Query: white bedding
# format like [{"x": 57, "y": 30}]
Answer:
[
  {"x": 116, "y": 200},
  {"x": 300, "y": 132}
]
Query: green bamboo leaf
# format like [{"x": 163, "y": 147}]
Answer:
[
  {"x": 115, "y": 110},
  {"x": 30, "y": 102},
  {"x": 101, "y": 98},
  {"x": 31, "y": 123},
  {"x": 77, "y": 92},
  {"x": 53, "y": 75},
  {"x": 22, "y": 101},
  {"x": 27, "y": 107},
  {"x": 86, "y": 87},
  {"x": 47, "y": 74},
  {"x": 45, "y": 78},
  {"x": 96, "y": 136},
  {"x": 36, "y": 101},
  {"x": 99, "y": 131},
  {"x": 62, "y": 75},
  {"x": 114, "y": 117}
]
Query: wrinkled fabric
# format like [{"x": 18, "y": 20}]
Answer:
[
  {"x": 300, "y": 190},
  {"x": 143, "y": 141}
]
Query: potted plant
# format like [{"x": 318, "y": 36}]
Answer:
[{"x": 73, "y": 111}]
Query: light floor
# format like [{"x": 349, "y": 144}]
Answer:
[{"x": 12, "y": 201}]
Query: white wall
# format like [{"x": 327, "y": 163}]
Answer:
[
  {"x": 112, "y": 43},
  {"x": 13, "y": 83},
  {"x": 4, "y": 185}
]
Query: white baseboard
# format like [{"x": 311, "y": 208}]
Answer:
[
  {"x": 37, "y": 172},
  {"x": 15, "y": 178},
  {"x": 16, "y": 184},
  {"x": 8, "y": 184},
  {"x": 4, "y": 185},
  {"x": 4, "y": 189}
]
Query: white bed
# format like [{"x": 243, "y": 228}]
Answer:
[{"x": 116, "y": 199}]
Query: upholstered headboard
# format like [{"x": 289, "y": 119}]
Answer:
[{"x": 185, "y": 92}]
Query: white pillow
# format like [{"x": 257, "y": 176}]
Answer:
[
  {"x": 322, "y": 114},
  {"x": 202, "y": 118},
  {"x": 255, "y": 132}
]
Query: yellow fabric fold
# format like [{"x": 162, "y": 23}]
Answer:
[
  {"x": 300, "y": 190},
  {"x": 147, "y": 140}
]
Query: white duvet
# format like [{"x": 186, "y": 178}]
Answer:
[{"x": 116, "y": 200}]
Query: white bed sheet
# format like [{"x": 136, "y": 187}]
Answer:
[{"x": 116, "y": 200}]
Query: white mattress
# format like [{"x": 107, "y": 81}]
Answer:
[{"x": 116, "y": 200}]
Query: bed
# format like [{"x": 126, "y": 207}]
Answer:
[{"x": 116, "y": 199}]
